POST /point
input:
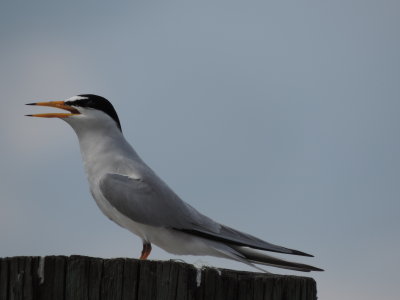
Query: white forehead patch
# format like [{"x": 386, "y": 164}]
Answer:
[{"x": 74, "y": 98}]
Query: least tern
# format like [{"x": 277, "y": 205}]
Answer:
[{"x": 130, "y": 193}]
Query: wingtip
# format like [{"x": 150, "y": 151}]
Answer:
[
  {"x": 297, "y": 252},
  {"x": 312, "y": 268}
]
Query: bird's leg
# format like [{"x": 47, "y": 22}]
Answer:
[{"x": 146, "y": 250}]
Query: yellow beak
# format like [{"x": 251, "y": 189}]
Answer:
[{"x": 57, "y": 104}]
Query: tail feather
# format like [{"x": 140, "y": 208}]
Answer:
[
  {"x": 252, "y": 257},
  {"x": 231, "y": 253},
  {"x": 255, "y": 256}
]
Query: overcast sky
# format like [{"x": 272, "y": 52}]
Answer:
[{"x": 279, "y": 118}]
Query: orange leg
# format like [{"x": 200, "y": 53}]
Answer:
[{"x": 146, "y": 250}]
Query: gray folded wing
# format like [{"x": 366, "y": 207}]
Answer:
[{"x": 154, "y": 203}]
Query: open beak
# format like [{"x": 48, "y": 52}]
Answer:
[{"x": 57, "y": 104}]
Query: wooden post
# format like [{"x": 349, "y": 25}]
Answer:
[{"x": 88, "y": 278}]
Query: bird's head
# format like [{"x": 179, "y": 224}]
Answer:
[{"x": 85, "y": 111}]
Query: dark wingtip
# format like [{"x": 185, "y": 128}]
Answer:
[
  {"x": 30, "y": 103},
  {"x": 312, "y": 268},
  {"x": 296, "y": 252}
]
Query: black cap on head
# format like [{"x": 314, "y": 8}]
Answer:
[{"x": 97, "y": 102}]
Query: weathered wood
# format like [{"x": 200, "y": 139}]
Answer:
[
  {"x": 88, "y": 278},
  {"x": 131, "y": 279},
  {"x": 3, "y": 279},
  {"x": 53, "y": 269}
]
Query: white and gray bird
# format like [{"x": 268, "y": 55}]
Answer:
[{"x": 130, "y": 193}]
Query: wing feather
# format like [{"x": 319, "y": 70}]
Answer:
[{"x": 152, "y": 204}]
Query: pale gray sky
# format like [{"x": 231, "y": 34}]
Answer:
[{"x": 279, "y": 118}]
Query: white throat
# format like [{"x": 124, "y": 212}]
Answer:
[{"x": 103, "y": 146}]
